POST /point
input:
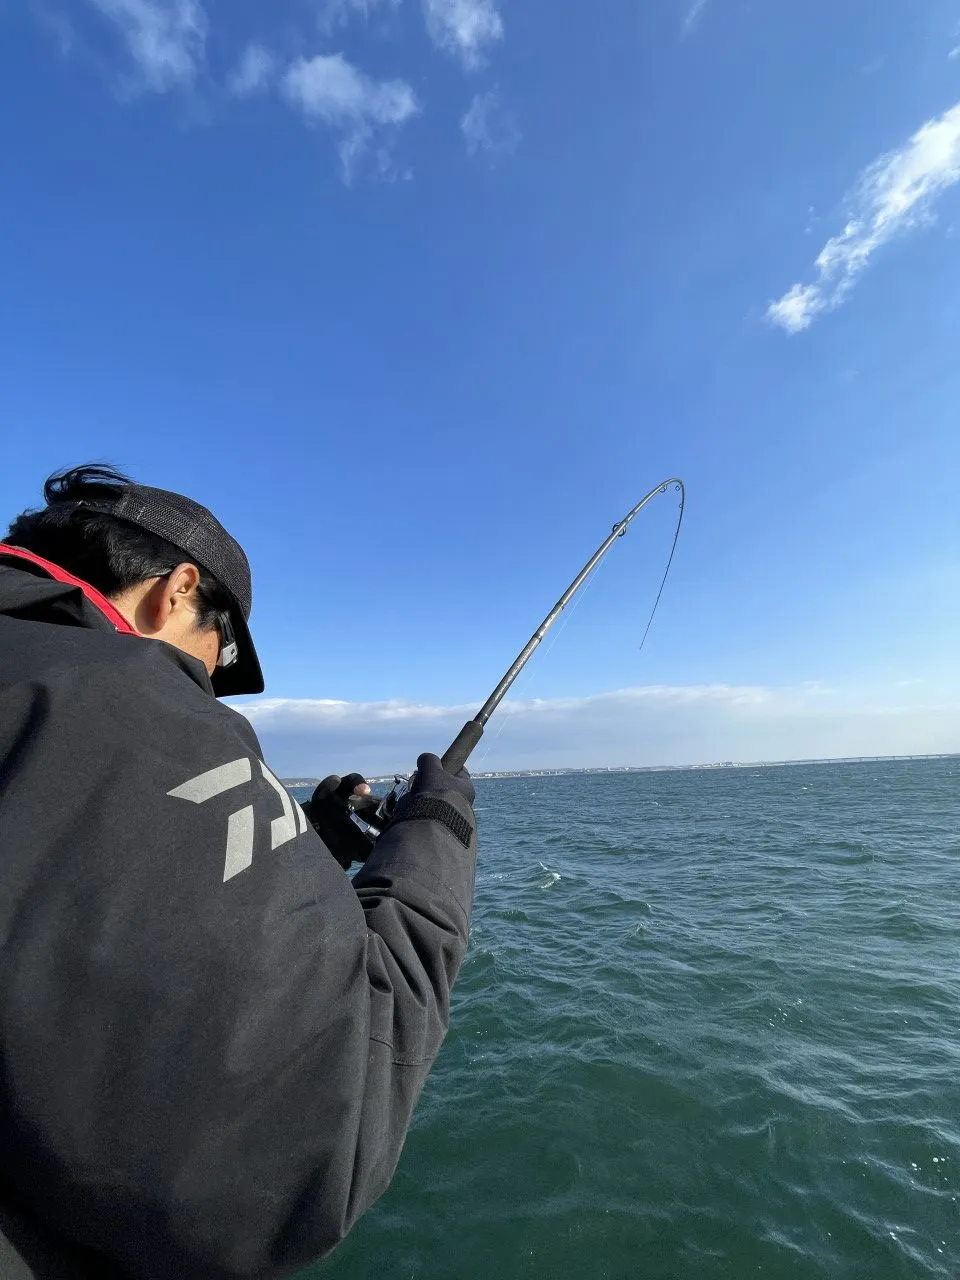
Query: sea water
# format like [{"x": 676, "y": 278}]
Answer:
[{"x": 708, "y": 1026}]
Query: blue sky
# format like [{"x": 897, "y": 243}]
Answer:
[{"x": 421, "y": 297}]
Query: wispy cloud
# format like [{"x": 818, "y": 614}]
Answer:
[
  {"x": 488, "y": 127},
  {"x": 164, "y": 45},
  {"x": 649, "y": 725},
  {"x": 337, "y": 13},
  {"x": 465, "y": 28},
  {"x": 254, "y": 72},
  {"x": 329, "y": 89},
  {"x": 893, "y": 195},
  {"x": 166, "y": 39},
  {"x": 693, "y": 15},
  {"x": 57, "y": 25}
]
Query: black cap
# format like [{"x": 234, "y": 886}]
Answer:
[{"x": 201, "y": 537}]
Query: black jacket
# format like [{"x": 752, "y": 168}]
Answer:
[{"x": 211, "y": 1040}]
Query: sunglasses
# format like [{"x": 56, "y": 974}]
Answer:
[{"x": 229, "y": 650}]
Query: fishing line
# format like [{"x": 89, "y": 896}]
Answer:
[{"x": 663, "y": 581}]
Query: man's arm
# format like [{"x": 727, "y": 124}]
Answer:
[{"x": 416, "y": 890}]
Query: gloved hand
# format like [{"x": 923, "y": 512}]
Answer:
[
  {"x": 328, "y": 810},
  {"x": 428, "y": 779},
  {"x": 432, "y": 795},
  {"x": 432, "y": 779}
]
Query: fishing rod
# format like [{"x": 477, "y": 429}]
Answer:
[{"x": 460, "y": 750}]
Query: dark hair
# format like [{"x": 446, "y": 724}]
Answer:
[{"x": 111, "y": 554}]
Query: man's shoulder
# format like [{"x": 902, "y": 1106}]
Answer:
[
  {"x": 162, "y": 772},
  {"x": 151, "y": 684},
  {"x": 123, "y": 682}
]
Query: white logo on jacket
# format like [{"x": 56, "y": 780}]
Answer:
[{"x": 240, "y": 825}]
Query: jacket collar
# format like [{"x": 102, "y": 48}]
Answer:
[
  {"x": 96, "y": 598},
  {"x": 39, "y": 590}
]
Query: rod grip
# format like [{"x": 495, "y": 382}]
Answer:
[{"x": 457, "y": 754}]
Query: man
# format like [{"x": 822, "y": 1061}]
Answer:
[{"x": 211, "y": 1040}]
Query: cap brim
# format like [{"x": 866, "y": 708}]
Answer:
[{"x": 244, "y": 676}]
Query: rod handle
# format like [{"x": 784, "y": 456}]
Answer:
[{"x": 457, "y": 754}]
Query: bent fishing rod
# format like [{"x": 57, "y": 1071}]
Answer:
[{"x": 460, "y": 750}]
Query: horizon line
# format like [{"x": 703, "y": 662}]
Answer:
[{"x": 561, "y": 771}]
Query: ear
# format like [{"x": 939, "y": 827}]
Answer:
[
  {"x": 181, "y": 585},
  {"x": 167, "y": 596}
]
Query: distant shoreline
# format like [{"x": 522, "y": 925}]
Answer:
[{"x": 664, "y": 768}]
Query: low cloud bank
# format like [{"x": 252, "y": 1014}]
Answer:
[{"x": 653, "y": 725}]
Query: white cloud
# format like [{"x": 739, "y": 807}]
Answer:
[
  {"x": 330, "y": 89},
  {"x": 656, "y": 725},
  {"x": 337, "y": 13},
  {"x": 464, "y": 27},
  {"x": 488, "y": 127},
  {"x": 254, "y": 72},
  {"x": 893, "y": 195},
  {"x": 165, "y": 38},
  {"x": 797, "y": 308},
  {"x": 693, "y": 16}
]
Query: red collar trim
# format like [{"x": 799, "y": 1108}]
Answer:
[{"x": 110, "y": 611}]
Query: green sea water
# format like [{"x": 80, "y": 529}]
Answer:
[{"x": 709, "y": 1026}]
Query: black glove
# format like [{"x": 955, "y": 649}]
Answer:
[
  {"x": 431, "y": 791},
  {"x": 329, "y": 809},
  {"x": 432, "y": 779}
]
